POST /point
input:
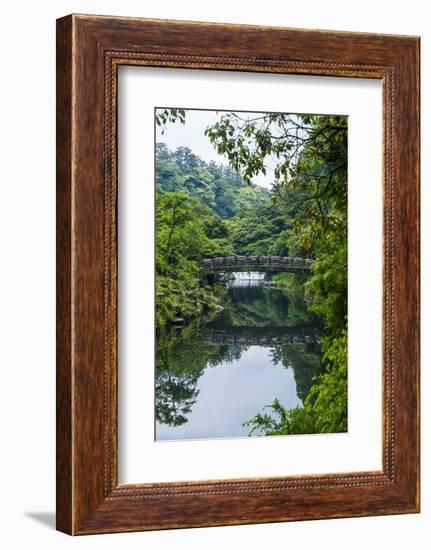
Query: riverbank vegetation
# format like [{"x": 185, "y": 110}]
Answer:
[{"x": 208, "y": 210}]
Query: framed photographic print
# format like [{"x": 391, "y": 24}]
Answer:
[{"x": 237, "y": 274}]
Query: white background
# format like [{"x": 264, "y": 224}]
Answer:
[
  {"x": 27, "y": 274},
  {"x": 141, "y": 458}
]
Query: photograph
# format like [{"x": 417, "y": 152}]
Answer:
[{"x": 251, "y": 227}]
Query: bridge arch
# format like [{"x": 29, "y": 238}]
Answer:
[{"x": 274, "y": 264}]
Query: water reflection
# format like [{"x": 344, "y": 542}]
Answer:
[{"x": 212, "y": 378}]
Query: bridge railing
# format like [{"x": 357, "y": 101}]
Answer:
[{"x": 250, "y": 261}]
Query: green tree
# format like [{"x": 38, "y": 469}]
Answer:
[{"x": 186, "y": 231}]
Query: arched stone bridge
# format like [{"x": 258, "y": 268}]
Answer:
[{"x": 266, "y": 264}]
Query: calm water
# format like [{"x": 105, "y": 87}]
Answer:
[{"x": 210, "y": 380}]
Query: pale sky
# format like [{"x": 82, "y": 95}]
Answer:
[{"x": 191, "y": 134}]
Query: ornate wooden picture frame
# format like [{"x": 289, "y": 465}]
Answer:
[{"x": 89, "y": 51}]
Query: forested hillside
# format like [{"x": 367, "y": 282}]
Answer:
[
  {"x": 216, "y": 186},
  {"x": 238, "y": 217}
]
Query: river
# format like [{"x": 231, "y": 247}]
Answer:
[{"x": 211, "y": 379}]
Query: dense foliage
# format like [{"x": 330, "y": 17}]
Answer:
[{"x": 186, "y": 230}]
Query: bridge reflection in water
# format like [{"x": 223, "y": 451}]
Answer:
[{"x": 260, "y": 336}]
